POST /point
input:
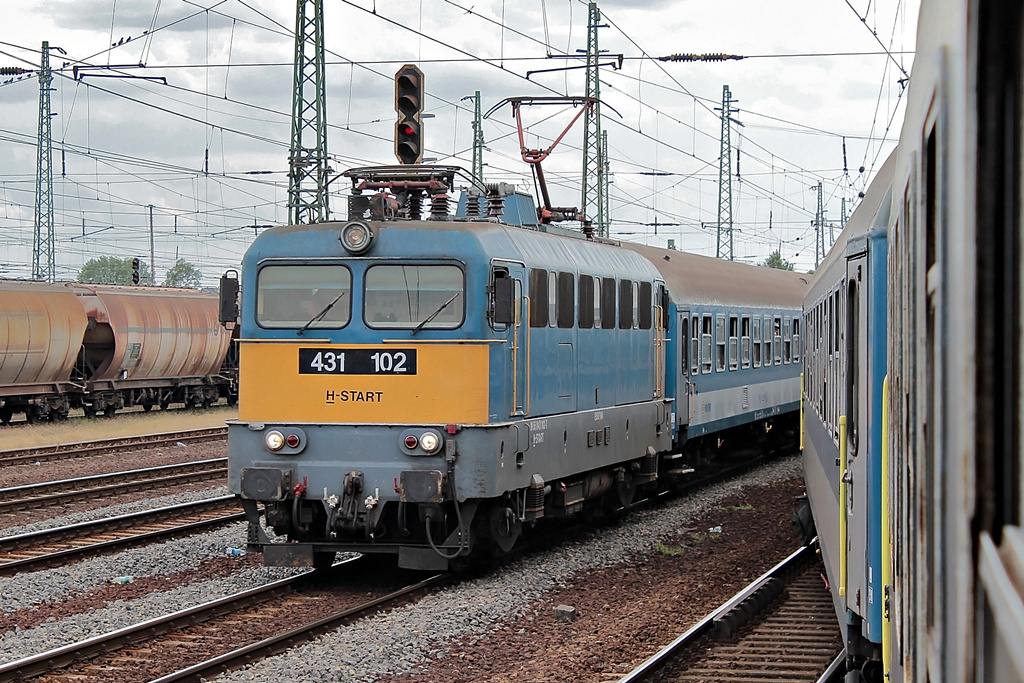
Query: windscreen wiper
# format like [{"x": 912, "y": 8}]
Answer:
[
  {"x": 321, "y": 314},
  {"x": 434, "y": 314}
]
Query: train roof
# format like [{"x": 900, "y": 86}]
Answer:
[
  {"x": 870, "y": 215},
  {"x": 700, "y": 279}
]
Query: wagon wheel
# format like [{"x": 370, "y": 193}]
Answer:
[
  {"x": 90, "y": 411},
  {"x": 6, "y": 413},
  {"x": 33, "y": 414},
  {"x": 109, "y": 411},
  {"x": 59, "y": 414},
  {"x": 147, "y": 406}
]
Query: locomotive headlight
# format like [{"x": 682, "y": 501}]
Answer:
[
  {"x": 430, "y": 442},
  {"x": 274, "y": 440},
  {"x": 356, "y": 237}
]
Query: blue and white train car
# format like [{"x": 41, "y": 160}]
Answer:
[{"x": 845, "y": 314}]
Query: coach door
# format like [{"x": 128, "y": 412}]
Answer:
[
  {"x": 856, "y": 475},
  {"x": 683, "y": 373}
]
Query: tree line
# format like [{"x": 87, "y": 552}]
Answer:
[{"x": 110, "y": 270}]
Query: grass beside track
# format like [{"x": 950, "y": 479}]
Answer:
[{"x": 124, "y": 424}]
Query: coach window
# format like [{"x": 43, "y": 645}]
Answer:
[
  {"x": 734, "y": 342},
  {"x": 694, "y": 344},
  {"x": 777, "y": 341},
  {"x": 586, "y": 316},
  {"x": 636, "y": 304},
  {"x": 292, "y": 296},
  {"x": 796, "y": 340},
  {"x": 625, "y": 304},
  {"x": 720, "y": 343},
  {"x": 404, "y": 296},
  {"x": 538, "y": 297},
  {"x": 705, "y": 344},
  {"x": 757, "y": 342},
  {"x": 767, "y": 340},
  {"x": 646, "y": 306},
  {"x": 787, "y": 341},
  {"x": 552, "y": 298},
  {"x": 745, "y": 341},
  {"x": 566, "y": 301},
  {"x": 608, "y": 303}
]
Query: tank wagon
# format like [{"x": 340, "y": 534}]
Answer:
[
  {"x": 102, "y": 348},
  {"x": 913, "y": 401},
  {"x": 429, "y": 387}
]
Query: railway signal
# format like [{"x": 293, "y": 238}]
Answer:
[
  {"x": 135, "y": 270},
  {"x": 409, "y": 105}
]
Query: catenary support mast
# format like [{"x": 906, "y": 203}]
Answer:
[{"x": 307, "y": 164}]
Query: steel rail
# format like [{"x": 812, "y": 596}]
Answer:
[
  {"x": 28, "y": 551},
  {"x": 16, "y": 498},
  {"x": 152, "y": 629},
  {"x": 283, "y": 641},
  {"x": 706, "y": 626},
  {"x": 84, "y": 449}
]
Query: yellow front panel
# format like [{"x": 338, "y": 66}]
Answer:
[{"x": 449, "y": 385}]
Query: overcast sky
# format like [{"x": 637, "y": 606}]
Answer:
[{"x": 209, "y": 148}]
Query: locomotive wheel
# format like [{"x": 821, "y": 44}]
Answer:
[
  {"x": 6, "y": 414},
  {"x": 505, "y": 527}
]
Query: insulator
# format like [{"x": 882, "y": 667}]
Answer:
[
  {"x": 439, "y": 206},
  {"x": 495, "y": 202},
  {"x": 415, "y": 205},
  {"x": 12, "y": 71}
]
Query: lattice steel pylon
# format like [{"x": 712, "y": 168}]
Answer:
[
  {"x": 307, "y": 163},
  {"x": 478, "y": 139},
  {"x": 819, "y": 233},
  {"x": 43, "y": 244},
  {"x": 725, "y": 243},
  {"x": 606, "y": 178},
  {"x": 593, "y": 158}
]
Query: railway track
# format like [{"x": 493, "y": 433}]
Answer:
[
  {"x": 100, "y": 486},
  {"x": 86, "y": 449},
  {"x": 147, "y": 651},
  {"x": 41, "y": 549},
  {"x": 780, "y": 628}
]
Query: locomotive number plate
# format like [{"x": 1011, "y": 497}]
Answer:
[{"x": 357, "y": 361}]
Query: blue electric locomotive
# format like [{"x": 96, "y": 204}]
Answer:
[{"x": 426, "y": 387}]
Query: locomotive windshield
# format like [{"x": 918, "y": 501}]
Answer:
[
  {"x": 291, "y": 296},
  {"x": 404, "y": 296}
]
